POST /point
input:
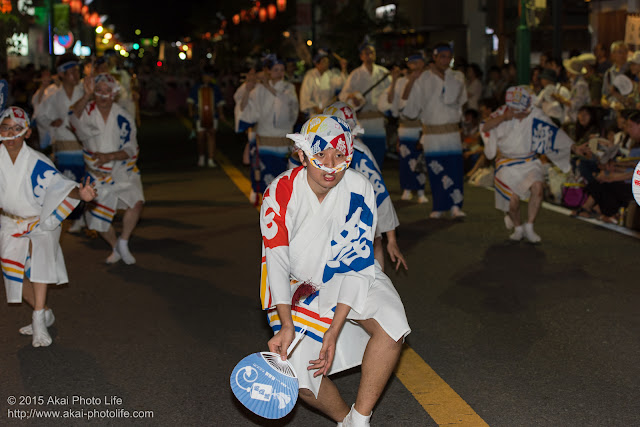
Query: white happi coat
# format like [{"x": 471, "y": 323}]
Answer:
[
  {"x": 436, "y": 101},
  {"x": 518, "y": 141},
  {"x": 32, "y": 188},
  {"x": 366, "y": 164},
  {"x": 118, "y": 182},
  {"x": 317, "y": 90},
  {"x": 57, "y": 106},
  {"x": 273, "y": 115},
  {"x": 330, "y": 245},
  {"x": 360, "y": 80}
]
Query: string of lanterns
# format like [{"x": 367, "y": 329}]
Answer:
[
  {"x": 5, "y": 6},
  {"x": 78, "y": 7},
  {"x": 263, "y": 13}
]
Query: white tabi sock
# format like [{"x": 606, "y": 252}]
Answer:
[
  {"x": 114, "y": 257},
  {"x": 77, "y": 225},
  {"x": 41, "y": 337},
  {"x": 356, "y": 419},
  {"x": 421, "y": 197},
  {"x": 122, "y": 247},
  {"x": 406, "y": 195},
  {"x": 456, "y": 212},
  {"x": 530, "y": 234},
  {"x": 49, "y": 318},
  {"x": 517, "y": 234},
  {"x": 201, "y": 161}
]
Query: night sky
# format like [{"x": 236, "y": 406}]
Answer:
[{"x": 155, "y": 18}]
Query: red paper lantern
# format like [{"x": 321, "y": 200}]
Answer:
[
  {"x": 95, "y": 19},
  {"x": 76, "y": 6},
  {"x": 271, "y": 11},
  {"x": 236, "y": 19},
  {"x": 244, "y": 15},
  {"x": 262, "y": 13},
  {"x": 282, "y": 5},
  {"x": 5, "y": 6},
  {"x": 85, "y": 9}
]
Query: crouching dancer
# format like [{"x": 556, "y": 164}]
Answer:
[
  {"x": 318, "y": 269},
  {"x": 35, "y": 199},
  {"x": 108, "y": 136}
]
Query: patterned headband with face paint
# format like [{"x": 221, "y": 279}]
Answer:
[
  {"x": 518, "y": 98},
  {"x": 110, "y": 81},
  {"x": 323, "y": 132},
  {"x": 19, "y": 116}
]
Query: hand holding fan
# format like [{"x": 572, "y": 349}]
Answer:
[{"x": 265, "y": 384}]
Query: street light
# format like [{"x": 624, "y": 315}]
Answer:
[{"x": 99, "y": 29}]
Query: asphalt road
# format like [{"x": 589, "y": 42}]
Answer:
[{"x": 527, "y": 335}]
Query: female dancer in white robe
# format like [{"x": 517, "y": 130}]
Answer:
[
  {"x": 108, "y": 135},
  {"x": 35, "y": 198},
  {"x": 318, "y": 223},
  {"x": 273, "y": 106}
]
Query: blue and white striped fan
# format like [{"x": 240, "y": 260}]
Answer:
[{"x": 265, "y": 384}]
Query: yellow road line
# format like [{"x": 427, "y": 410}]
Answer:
[{"x": 440, "y": 401}]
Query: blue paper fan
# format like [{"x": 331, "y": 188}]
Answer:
[{"x": 265, "y": 384}]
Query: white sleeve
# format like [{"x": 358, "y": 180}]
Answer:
[{"x": 277, "y": 258}]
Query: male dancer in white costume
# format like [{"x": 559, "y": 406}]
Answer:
[
  {"x": 360, "y": 80},
  {"x": 411, "y": 163},
  {"x": 436, "y": 97},
  {"x": 273, "y": 106},
  {"x": 108, "y": 134},
  {"x": 35, "y": 198},
  {"x": 317, "y": 224},
  {"x": 516, "y": 133},
  {"x": 53, "y": 116}
]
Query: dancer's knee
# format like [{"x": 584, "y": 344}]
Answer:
[{"x": 306, "y": 395}]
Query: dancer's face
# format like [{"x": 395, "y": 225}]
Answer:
[
  {"x": 9, "y": 128},
  {"x": 320, "y": 181}
]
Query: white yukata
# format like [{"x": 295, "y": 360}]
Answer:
[
  {"x": 33, "y": 197},
  {"x": 317, "y": 90},
  {"x": 242, "y": 126},
  {"x": 411, "y": 163},
  {"x": 519, "y": 142},
  {"x": 330, "y": 245},
  {"x": 66, "y": 147},
  {"x": 438, "y": 104},
  {"x": 118, "y": 182},
  {"x": 360, "y": 80},
  {"x": 274, "y": 117}
]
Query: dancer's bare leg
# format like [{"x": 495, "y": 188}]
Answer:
[
  {"x": 130, "y": 219},
  {"x": 329, "y": 401},
  {"x": 380, "y": 358},
  {"x": 514, "y": 210},
  {"x": 110, "y": 236},
  {"x": 535, "y": 201},
  {"x": 378, "y": 251}
]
